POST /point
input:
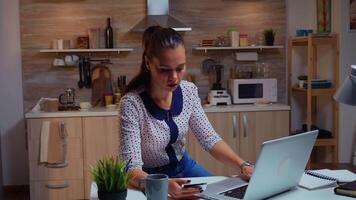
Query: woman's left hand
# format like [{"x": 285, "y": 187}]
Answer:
[{"x": 247, "y": 172}]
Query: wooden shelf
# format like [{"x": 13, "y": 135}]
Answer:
[
  {"x": 303, "y": 41},
  {"x": 316, "y": 92},
  {"x": 118, "y": 50},
  {"x": 206, "y": 49},
  {"x": 326, "y": 142},
  {"x": 311, "y": 43}
]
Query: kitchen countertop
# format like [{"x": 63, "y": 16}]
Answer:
[
  {"x": 102, "y": 111},
  {"x": 246, "y": 108},
  {"x": 91, "y": 112}
]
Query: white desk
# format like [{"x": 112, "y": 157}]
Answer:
[{"x": 297, "y": 194}]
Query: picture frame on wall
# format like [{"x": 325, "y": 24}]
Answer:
[
  {"x": 352, "y": 16},
  {"x": 323, "y": 16}
]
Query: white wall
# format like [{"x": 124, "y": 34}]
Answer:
[
  {"x": 347, "y": 113},
  {"x": 302, "y": 14},
  {"x": 12, "y": 128}
]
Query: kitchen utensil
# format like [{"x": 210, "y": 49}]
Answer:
[
  {"x": 80, "y": 82},
  {"x": 207, "y": 65},
  {"x": 86, "y": 72},
  {"x": 121, "y": 83},
  {"x": 68, "y": 97},
  {"x": 60, "y": 44},
  {"x": 66, "y": 44},
  {"x": 156, "y": 186},
  {"x": 101, "y": 79},
  {"x": 58, "y": 62},
  {"x": 71, "y": 60},
  {"x": 117, "y": 97}
]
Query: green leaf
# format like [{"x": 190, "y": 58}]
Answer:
[{"x": 110, "y": 174}]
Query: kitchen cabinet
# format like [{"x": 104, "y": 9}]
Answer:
[
  {"x": 88, "y": 139},
  {"x": 226, "y": 125},
  {"x": 101, "y": 138},
  {"x": 244, "y": 132},
  {"x": 258, "y": 127}
]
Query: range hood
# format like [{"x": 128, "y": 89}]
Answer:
[{"x": 158, "y": 14}]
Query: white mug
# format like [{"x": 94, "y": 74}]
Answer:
[
  {"x": 58, "y": 62},
  {"x": 60, "y": 44}
]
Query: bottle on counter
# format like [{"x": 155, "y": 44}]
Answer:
[{"x": 109, "y": 37}]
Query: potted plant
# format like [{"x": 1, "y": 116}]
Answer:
[
  {"x": 111, "y": 178},
  {"x": 269, "y": 36}
]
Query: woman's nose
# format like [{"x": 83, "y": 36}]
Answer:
[{"x": 173, "y": 75}]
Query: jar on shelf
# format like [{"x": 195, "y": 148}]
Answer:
[
  {"x": 243, "y": 39},
  {"x": 260, "y": 39},
  {"x": 266, "y": 70},
  {"x": 234, "y": 36},
  {"x": 259, "y": 70}
]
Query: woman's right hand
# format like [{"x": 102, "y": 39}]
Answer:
[{"x": 176, "y": 190}]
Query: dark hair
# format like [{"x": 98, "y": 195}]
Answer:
[{"x": 155, "y": 39}]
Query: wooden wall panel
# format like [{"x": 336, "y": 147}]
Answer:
[{"x": 45, "y": 20}]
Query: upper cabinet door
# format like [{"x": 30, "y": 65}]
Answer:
[
  {"x": 258, "y": 127},
  {"x": 226, "y": 125}
]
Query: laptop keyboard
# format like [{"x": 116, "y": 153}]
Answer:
[{"x": 236, "y": 192}]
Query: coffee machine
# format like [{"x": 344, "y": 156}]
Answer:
[
  {"x": 217, "y": 95},
  {"x": 67, "y": 100}
]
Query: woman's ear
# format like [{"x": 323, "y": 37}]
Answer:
[{"x": 147, "y": 63}]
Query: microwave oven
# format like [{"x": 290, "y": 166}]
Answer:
[{"x": 251, "y": 90}]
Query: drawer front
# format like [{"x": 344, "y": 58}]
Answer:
[
  {"x": 72, "y": 125},
  {"x": 57, "y": 190},
  {"x": 74, "y": 149},
  {"x": 40, "y": 172}
]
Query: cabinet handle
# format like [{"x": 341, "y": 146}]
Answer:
[
  {"x": 234, "y": 124},
  {"x": 244, "y": 119},
  {"x": 57, "y": 187},
  {"x": 63, "y": 134},
  {"x": 59, "y": 165}
]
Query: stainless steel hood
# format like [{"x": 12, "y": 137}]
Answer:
[{"x": 158, "y": 15}]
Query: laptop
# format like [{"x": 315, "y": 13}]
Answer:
[{"x": 279, "y": 168}]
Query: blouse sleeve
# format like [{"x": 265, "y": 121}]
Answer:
[
  {"x": 130, "y": 139},
  {"x": 200, "y": 125}
]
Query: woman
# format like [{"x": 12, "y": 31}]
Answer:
[{"x": 156, "y": 112}]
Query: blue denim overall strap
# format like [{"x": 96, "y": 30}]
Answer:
[{"x": 186, "y": 167}]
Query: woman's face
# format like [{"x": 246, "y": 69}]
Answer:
[{"x": 167, "y": 69}]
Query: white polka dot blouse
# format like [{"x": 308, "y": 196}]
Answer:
[{"x": 152, "y": 137}]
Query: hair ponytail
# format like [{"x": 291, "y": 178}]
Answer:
[{"x": 155, "y": 39}]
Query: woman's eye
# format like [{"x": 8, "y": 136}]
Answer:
[
  {"x": 164, "y": 70},
  {"x": 180, "y": 69}
]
